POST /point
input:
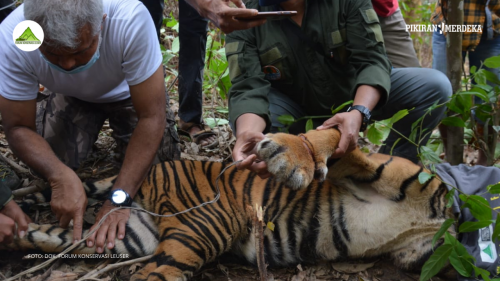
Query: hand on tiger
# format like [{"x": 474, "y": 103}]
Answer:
[
  {"x": 114, "y": 223},
  {"x": 223, "y": 15},
  {"x": 11, "y": 215},
  {"x": 69, "y": 201},
  {"x": 245, "y": 149},
  {"x": 348, "y": 124}
]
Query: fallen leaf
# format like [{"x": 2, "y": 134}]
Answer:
[
  {"x": 134, "y": 267},
  {"x": 352, "y": 267},
  {"x": 301, "y": 276},
  {"x": 270, "y": 225},
  {"x": 62, "y": 276}
]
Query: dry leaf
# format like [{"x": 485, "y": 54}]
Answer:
[
  {"x": 301, "y": 276},
  {"x": 62, "y": 276},
  {"x": 351, "y": 267},
  {"x": 133, "y": 268},
  {"x": 270, "y": 225},
  {"x": 299, "y": 267}
]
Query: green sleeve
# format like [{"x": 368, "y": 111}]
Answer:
[
  {"x": 366, "y": 46},
  {"x": 249, "y": 90},
  {"x": 5, "y": 195}
]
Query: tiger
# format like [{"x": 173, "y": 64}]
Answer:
[{"x": 323, "y": 209}]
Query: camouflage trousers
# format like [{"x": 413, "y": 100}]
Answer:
[{"x": 71, "y": 127}]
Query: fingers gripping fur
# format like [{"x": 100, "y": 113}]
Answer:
[
  {"x": 287, "y": 159},
  {"x": 141, "y": 238}
]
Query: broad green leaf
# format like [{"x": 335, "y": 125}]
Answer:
[
  {"x": 496, "y": 128},
  {"x": 458, "y": 247},
  {"x": 453, "y": 121},
  {"x": 473, "y": 69},
  {"x": 286, "y": 119},
  {"x": 470, "y": 226},
  {"x": 175, "y": 45},
  {"x": 476, "y": 92},
  {"x": 483, "y": 272},
  {"x": 423, "y": 177},
  {"x": 493, "y": 62},
  {"x": 480, "y": 77},
  {"x": 340, "y": 107},
  {"x": 450, "y": 197},
  {"x": 490, "y": 76},
  {"x": 478, "y": 206},
  {"x": 213, "y": 122},
  {"x": 400, "y": 114},
  {"x": 493, "y": 188},
  {"x": 461, "y": 264},
  {"x": 444, "y": 227},
  {"x": 452, "y": 105},
  {"x": 373, "y": 135},
  {"x": 309, "y": 124},
  {"x": 436, "y": 262},
  {"x": 223, "y": 110},
  {"x": 429, "y": 155},
  {"x": 496, "y": 231},
  {"x": 464, "y": 102}
]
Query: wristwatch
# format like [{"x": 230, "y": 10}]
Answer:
[
  {"x": 120, "y": 198},
  {"x": 366, "y": 115}
]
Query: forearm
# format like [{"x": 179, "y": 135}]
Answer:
[
  {"x": 34, "y": 150},
  {"x": 249, "y": 122},
  {"x": 140, "y": 153},
  {"x": 367, "y": 96}
]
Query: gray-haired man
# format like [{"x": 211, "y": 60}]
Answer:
[{"x": 102, "y": 59}]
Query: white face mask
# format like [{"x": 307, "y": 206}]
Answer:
[{"x": 81, "y": 68}]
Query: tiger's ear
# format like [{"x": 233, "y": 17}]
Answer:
[{"x": 323, "y": 144}]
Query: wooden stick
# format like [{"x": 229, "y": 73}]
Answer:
[
  {"x": 257, "y": 226},
  {"x": 16, "y": 167},
  {"x": 26, "y": 190},
  {"x": 95, "y": 273}
]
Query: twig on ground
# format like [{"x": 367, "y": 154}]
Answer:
[
  {"x": 97, "y": 271},
  {"x": 47, "y": 273},
  {"x": 26, "y": 190},
  {"x": 16, "y": 167},
  {"x": 258, "y": 229}
]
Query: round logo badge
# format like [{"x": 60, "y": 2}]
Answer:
[
  {"x": 271, "y": 72},
  {"x": 28, "y": 35}
]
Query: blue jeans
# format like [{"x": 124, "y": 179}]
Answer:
[{"x": 485, "y": 49}]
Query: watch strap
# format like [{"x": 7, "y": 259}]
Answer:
[{"x": 366, "y": 115}]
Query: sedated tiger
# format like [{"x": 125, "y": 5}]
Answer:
[{"x": 358, "y": 206}]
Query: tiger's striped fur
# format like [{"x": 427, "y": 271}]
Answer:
[{"x": 369, "y": 205}]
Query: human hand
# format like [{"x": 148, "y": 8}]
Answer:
[
  {"x": 69, "y": 201},
  {"x": 116, "y": 221},
  {"x": 348, "y": 124},
  {"x": 224, "y": 17},
  {"x": 11, "y": 215},
  {"x": 245, "y": 149}
]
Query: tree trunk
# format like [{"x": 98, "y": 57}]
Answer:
[{"x": 455, "y": 135}]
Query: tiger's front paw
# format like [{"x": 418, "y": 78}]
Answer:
[{"x": 288, "y": 159}]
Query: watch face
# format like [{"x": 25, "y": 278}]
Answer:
[{"x": 119, "y": 196}]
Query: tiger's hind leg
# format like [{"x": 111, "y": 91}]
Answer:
[{"x": 185, "y": 246}]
